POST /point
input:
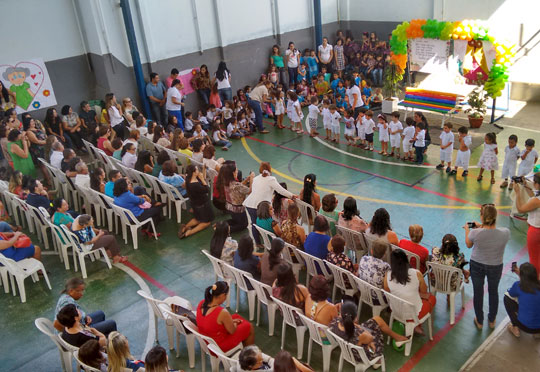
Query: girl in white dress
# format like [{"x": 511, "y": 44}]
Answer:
[
  {"x": 488, "y": 159},
  {"x": 382, "y": 127},
  {"x": 296, "y": 114},
  {"x": 279, "y": 104}
]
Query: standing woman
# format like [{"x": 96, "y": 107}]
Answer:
[
  {"x": 340, "y": 57},
  {"x": 276, "y": 59},
  {"x": 293, "y": 60},
  {"x": 532, "y": 207},
  {"x": 488, "y": 242},
  {"x": 326, "y": 54},
  {"x": 37, "y": 139},
  {"x": 235, "y": 195},
  {"x": 174, "y": 101},
  {"x": 199, "y": 195},
  {"x": 114, "y": 110},
  {"x": 19, "y": 149},
  {"x": 201, "y": 83},
  {"x": 223, "y": 80}
]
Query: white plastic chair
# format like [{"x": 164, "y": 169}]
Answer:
[
  {"x": 46, "y": 327},
  {"x": 159, "y": 313},
  {"x": 174, "y": 197},
  {"x": 341, "y": 277},
  {"x": 348, "y": 355},
  {"x": 71, "y": 349},
  {"x": 204, "y": 341},
  {"x": 218, "y": 271},
  {"x": 410, "y": 256},
  {"x": 312, "y": 263},
  {"x": 241, "y": 284},
  {"x": 288, "y": 252},
  {"x": 20, "y": 270},
  {"x": 265, "y": 235},
  {"x": 405, "y": 312},
  {"x": 83, "y": 250},
  {"x": 316, "y": 333},
  {"x": 306, "y": 210},
  {"x": 288, "y": 313},
  {"x": 24, "y": 209},
  {"x": 83, "y": 366},
  {"x": 127, "y": 219},
  {"x": 331, "y": 223},
  {"x": 367, "y": 293},
  {"x": 63, "y": 245},
  {"x": 42, "y": 227},
  {"x": 177, "y": 321},
  {"x": 355, "y": 241},
  {"x": 228, "y": 363},
  {"x": 443, "y": 275},
  {"x": 264, "y": 295}
]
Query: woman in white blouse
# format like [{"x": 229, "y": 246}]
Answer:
[
  {"x": 326, "y": 53},
  {"x": 114, "y": 110},
  {"x": 129, "y": 156}
]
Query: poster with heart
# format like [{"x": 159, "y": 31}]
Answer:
[{"x": 29, "y": 82}]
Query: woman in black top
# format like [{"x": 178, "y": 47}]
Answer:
[
  {"x": 420, "y": 118},
  {"x": 74, "y": 332},
  {"x": 53, "y": 126},
  {"x": 199, "y": 195}
]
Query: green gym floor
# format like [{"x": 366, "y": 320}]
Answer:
[{"x": 423, "y": 195}]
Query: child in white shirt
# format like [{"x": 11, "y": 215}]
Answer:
[
  {"x": 327, "y": 119},
  {"x": 335, "y": 117},
  {"x": 227, "y": 112},
  {"x": 220, "y": 138},
  {"x": 529, "y": 157},
  {"x": 408, "y": 134},
  {"x": 203, "y": 120},
  {"x": 447, "y": 146},
  {"x": 279, "y": 105},
  {"x": 395, "y": 128},
  {"x": 350, "y": 128},
  {"x": 419, "y": 141},
  {"x": 511, "y": 156},
  {"x": 382, "y": 128},
  {"x": 296, "y": 113},
  {"x": 360, "y": 127},
  {"x": 290, "y": 104},
  {"x": 464, "y": 153},
  {"x": 188, "y": 122},
  {"x": 313, "y": 116},
  {"x": 488, "y": 159},
  {"x": 243, "y": 124},
  {"x": 199, "y": 133},
  {"x": 369, "y": 126},
  {"x": 233, "y": 131}
]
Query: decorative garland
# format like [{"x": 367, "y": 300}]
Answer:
[{"x": 465, "y": 30}]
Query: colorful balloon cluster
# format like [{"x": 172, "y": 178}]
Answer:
[{"x": 464, "y": 30}]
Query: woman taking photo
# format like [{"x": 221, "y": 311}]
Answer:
[
  {"x": 19, "y": 149},
  {"x": 532, "y": 207},
  {"x": 488, "y": 242},
  {"x": 522, "y": 302},
  {"x": 223, "y": 79},
  {"x": 199, "y": 195},
  {"x": 201, "y": 83},
  {"x": 215, "y": 321}
]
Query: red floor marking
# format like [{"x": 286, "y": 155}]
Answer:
[
  {"x": 438, "y": 336},
  {"x": 150, "y": 279}
]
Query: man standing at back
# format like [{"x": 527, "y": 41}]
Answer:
[{"x": 157, "y": 95}]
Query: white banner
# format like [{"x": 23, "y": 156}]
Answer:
[
  {"x": 29, "y": 81},
  {"x": 428, "y": 55}
]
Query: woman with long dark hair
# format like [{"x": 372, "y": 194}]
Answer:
[
  {"x": 97, "y": 180},
  {"x": 350, "y": 218},
  {"x": 368, "y": 335},
  {"x": 292, "y": 55},
  {"x": 246, "y": 259},
  {"x": 53, "y": 126},
  {"x": 145, "y": 162},
  {"x": 201, "y": 83},
  {"x": 215, "y": 321},
  {"x": 309, "y": 194},
  {"x": 270, "y": 261},
  {"x": 7, "y": 98},
  {"x": 199, "y": 195},
  {"x": 380, "y": 227},
  {"x": 285, "y": 362},
  {"x": 409, "y": 285},
  {"x": 287, "y": 289},
  {"x": 222, "y": 78},
  {"x": 280, "y": 203},
  {"x": 222, "y": 246},
  {"x": 276, "y": 59},
  {"x": 522, "y": 302}
]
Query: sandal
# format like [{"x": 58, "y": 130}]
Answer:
[
  {"x": 479, "y": 178},
  {"x": 182, "y": 231},
  {"x": 514, "y": 330},
  {"x": 478, "y": 325}
]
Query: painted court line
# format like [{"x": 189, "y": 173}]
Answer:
[
  {"x": 146, "y": 276},
  {"x": 472, "y": 205}
]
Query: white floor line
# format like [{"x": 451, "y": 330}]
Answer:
[
  {"x": 479, "y": 353},
  {"x": 151, "y": 320},
  {"x": 519, "y": 128},
  {"x": 377, "y": 160}
]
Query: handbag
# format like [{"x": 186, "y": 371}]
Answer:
[{"x": 22, "y": 242}]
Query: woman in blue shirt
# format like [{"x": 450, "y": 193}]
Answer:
[
  {"x": 522, "y": 302},
  {"x": 168, "y": 175},
  {"x": 140, "y": 206},
  {"x": 317, "y": 242}
]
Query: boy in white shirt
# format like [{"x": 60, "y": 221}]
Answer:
[
  {"x": 395, "y": 128},
  {"x": 335, "y": 117},
  {"x": 327, "y": 119},
  {"x": 203, "y": 120},
  {"x": 511, "y": 156},
  {"x": 419, "y": 140},
  {"x": 360, "y": 127},
  {"x": 529, "y": 157},
  {"x": 464, "y": 153},
  {"x": 313, "y": 115},
  {"x": 188, "y": 122},
  {"x": 350, "y": 128},
  {"x": 369, "y": 126},
  {"x": 232, "y": 129},
  {"x": 447, "y": 146},
  {"x": 408, "y": 134}
]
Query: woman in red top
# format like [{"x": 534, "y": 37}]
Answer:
[
  {"x": 103, "y": 142},
  {"x": 416, "y": 232},
  {"x": 215, "y": 321}
]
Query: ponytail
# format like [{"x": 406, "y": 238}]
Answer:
[
  {"x": 213, "y": 291},
  {"x": 309, "y": 187},
  {"x": 348, "y": 315}
]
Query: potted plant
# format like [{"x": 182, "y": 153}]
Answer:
[
  {"x": 391, "y": 89},
  {"x": 477, "y": 106}
]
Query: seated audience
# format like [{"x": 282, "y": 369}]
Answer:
[
  {"x": 117, "y": 144},
  {"x": 409, "y": 285},
  {"x": 350, "y": 218},
  {"x": 251, "y": 358},
  {"x": 247, "y": 260},
  {"x": 57, "y": 154},
  {"x": 169, "y": 176},
  {"x": 83, "y": 227},
  {"x": 129, "y": 155},
  {"x": 380, "y": 227},
  {"x": 133, "y": 138},
  {"x": 97, "y": 180},
  {"x": 328, "y": 209},
  {"x": 37, "y": 196},
  {"x": 209, "y": 158},
  {"x": 270, "y": 261},
  {"x": 104, "y": 142},
  {"x": 215, "y": 321},
  {"x": 317, "y": 241},
  {"x": 234, "y": 193},
  {"x": 265, "y": 218},
  {"x": 336, "y": 255},
  {"x": 15, "y": 185},
  {"x": 162, "y": 157},
  {"x": 285, "y": 362},
  {"x": 198, "y": 147},
  {"x": 114, "y": 175},
  {"x": 19, "y": 253},
  {"x": 145, "y": 162},
  {"x": 60, "y": 213},
  {"x": 156, "y": 360},
  {"x": 372, "y": 268},
  {"x": 522, "y": 302},
  {"x": 119, "y": 354},
  {"x": 317, "y": 306},
  {"x": 309, "y": 194},
  {"x": 82, "y": 178},
  {"x": 287, "y": 289},
  {"x": 281, "y": 203},
  {"x": 73, "y": 332},
  {"x": 450, "y": 255},
  {"x": 416, "y": 233},
  {"x": 90, "y": 354},
  {"x": 199, "y": 196},
  {"x": 291, "y": 231},
  {"x": 69, "y": 155},
  {"x": 73, "y": 291},
  {"x": 222, "y": 246}
]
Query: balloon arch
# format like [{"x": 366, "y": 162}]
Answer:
[{"x": 470, "y": 30}]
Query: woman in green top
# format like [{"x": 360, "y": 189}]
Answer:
[
  {"x": 265, "y": 218},
  {"x": 61, "y": 216},
  {"x": 276, "y": 59},
  {"x": 19, "y": 149},
  {"x": 329, "y": 204}
]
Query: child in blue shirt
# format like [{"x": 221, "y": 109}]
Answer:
[
  {"x": 313, "y": 64},
  {"x": 335, "y": 81},
  {"x": 340, "y": 90},
  {"x": 341, "y": 103}
]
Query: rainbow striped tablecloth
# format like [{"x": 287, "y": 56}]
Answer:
[{"x": 431, "y": 100}]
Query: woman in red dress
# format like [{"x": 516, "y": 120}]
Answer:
[{"x": 215, "y": 321}]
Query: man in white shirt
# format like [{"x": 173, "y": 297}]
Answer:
[
  {"x": 326, "y": 53},
  {"x": 174, "y": 101},
  {"x": 82, "y": 178},
  {"x": 57, "y": 154}
]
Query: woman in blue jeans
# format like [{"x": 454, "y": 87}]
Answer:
[
  {"x": 223, "y": 80},
  {"x": 488, "y": 242}
]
